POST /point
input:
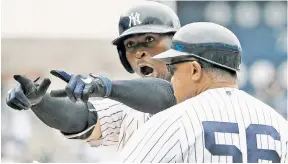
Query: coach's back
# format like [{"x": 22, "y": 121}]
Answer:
[
  {"x": 232, "y": 126},
  {"x": 218, "y": 125}
]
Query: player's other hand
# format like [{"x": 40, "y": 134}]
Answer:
[
  {"x": 27, "y": 93},
  {"x": 80, "y": 87}
]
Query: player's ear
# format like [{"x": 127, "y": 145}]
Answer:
[{"x": 195, "y": 70}]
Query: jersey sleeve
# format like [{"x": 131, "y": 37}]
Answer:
[
  {"x": 110, "y": 116},
  {"x": 159, "y": 140}
]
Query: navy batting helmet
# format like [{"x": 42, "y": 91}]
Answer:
[
  {"x": 208, "y": 41},
  {"x": 147, "y": 17}
]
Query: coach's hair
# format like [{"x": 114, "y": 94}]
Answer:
[{"x": 218, "y": 73}]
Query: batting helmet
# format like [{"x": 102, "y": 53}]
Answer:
[
  {"x": 147, "y": 17},
  {"x": 207, "y": 41}
]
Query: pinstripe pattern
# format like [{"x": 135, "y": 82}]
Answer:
[
  {"x": 177, "y": 134},
  {"x": 285, "y": 158},
  {"x": 199, "y": 144},
  {"x": 118, "y": 122},
  {"x": 150, "y": 133}
]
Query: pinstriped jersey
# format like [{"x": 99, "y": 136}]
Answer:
[
  {"x": 118, "y": 122},
  {"x": 219, "y": 125}
]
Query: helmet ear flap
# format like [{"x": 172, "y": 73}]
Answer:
[{"x": 122, "y": 55}]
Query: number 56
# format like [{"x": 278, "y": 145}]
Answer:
[{"x": 253, "y": 153}]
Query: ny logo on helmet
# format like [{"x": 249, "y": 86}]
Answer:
[{"x": 134, "y": 18}]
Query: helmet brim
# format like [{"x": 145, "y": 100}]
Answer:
[
  {"x": 158, "y": 29},
  {"x": 170, "y": 54}
]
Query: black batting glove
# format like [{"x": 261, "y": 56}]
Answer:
[
  {"x": 80, "y": 87},
  {"x": 27, "y": 93}
]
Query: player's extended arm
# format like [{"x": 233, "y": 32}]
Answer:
[
  {"x": 72, "y": 119},
  {"x": 148, "y": 95}
]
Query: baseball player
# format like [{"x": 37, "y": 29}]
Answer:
[
  {"x": 145, "y": 31},
  {"x": 214, "y": 120}
]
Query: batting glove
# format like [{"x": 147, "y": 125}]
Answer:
[
  {"x": 80, "y": 87},
  {"x": 27, "y": 94}
]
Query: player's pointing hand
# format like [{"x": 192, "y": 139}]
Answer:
[
  {"x": 80, "y": 87},
  {"x": 27, "y": 93}
]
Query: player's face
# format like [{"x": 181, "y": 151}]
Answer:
[
  {"x": 141, "y": 48},
  {"x": 185, "y": 79}
]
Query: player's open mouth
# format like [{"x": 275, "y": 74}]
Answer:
[{"x": 146, "y": 70}]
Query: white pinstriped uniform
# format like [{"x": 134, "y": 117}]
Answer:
[
  {"x": 219, "y": 125},
  {"x": 118, "y": 122}
]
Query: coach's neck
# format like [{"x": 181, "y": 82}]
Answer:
[
  {"x": 217, "y": 85},
  {"x": 217, "y": 80}
]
